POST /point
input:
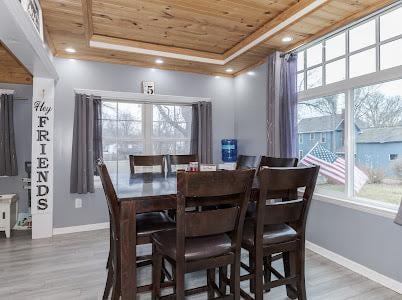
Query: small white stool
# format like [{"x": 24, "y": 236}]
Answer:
[{"x": 8, "y": 213}]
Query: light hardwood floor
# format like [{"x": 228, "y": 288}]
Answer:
[{"x": 73, "y": 267}]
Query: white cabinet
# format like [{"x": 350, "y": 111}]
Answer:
[{"x": 8, "y": 213}]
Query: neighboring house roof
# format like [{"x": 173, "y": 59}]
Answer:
[
  {"x": 380, "y": 135},
  {"x": 320, "y": 124}
]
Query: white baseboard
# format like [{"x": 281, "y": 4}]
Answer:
[
  {"x": 356, "y": 267},
  {"x": 80, "y": 228}
]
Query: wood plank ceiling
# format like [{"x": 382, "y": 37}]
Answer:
[
  {"x": 203, "y": 36},
  {"x": 11, "y": 70}
]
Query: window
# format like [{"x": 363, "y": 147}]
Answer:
[
  {"x": 362, "y": 49},
  {"x": 300, "y": 154},
  {"x": 362, "y": 36},
  {"x": 362, "y": 63},
  {"x": 300, "y": 138},
  {"x": 353, "y": 93},
  {"x": 171, "y": 129},
  {"x": 335, "y": 47},
  {"x": 325, "y": 115},
  {"x": 323, "y": 137},
  {"x": 390, "y": 54},
  {"x": 135, "y": 128},
  {"x": 388, "y": 29},
  {"x": 378, "y": 119},
  {"x": 314, "y": 55},
  {"x": 335, "y": 71}
]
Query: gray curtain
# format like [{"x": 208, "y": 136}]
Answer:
[
  {"x": 201, "y": 131},
  {"x": 288, "y": 106},
  {"x": 8, "y": 156},
  {"x": 87, "y": 143},
  {"x": 398, "y": 218},
  {"x": 274, "y": 64}
]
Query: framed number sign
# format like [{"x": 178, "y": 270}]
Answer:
[{"x": 148, "y": 87}]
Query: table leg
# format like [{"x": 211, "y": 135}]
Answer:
[{"x": 128, "y": 250}]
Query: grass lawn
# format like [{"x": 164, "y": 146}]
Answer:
[{"x": 389, "y": 193}]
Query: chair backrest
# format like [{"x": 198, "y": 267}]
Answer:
[
  {"x": 211, "y": 189},
  {"x": 111, "y": 198},
  {"x": 246, "y": 162},
  {"x": 174, "y": 160},
  {"x": 147, "y": 161},
  {"x": 293, "y": 212},
  {"x": 277, "y": 162}
]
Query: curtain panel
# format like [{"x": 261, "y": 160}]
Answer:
[
  {"x": 201, "y": 131},
  {"x": 87, "y": 143},
  {"x": 282, "y": 105},
  {"x": 288, "y": 106},
  {"x": 8, "y": 156},
  {"x": 398, "y": 218},
  {"x": 274, "y": 64}
]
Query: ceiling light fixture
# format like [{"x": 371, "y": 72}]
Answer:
[
  {"x": 287, "y": 39},
  {"x": 70, "y": 50},
  {"x": 251, "y": 73},
  {"x": 217, "y": 77},
  {"x": 229, "y": 70},
  {"x": 159, "y": 61}
]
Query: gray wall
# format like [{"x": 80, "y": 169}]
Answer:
[
  {"x": 251, "y": 111},
  {"x": 23, "y": 143},
  {"x": 368, "y": 239},
  {"x": 102, "y": 76}
]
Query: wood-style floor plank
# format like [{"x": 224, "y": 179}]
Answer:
[{"x": 73, "y": 267}]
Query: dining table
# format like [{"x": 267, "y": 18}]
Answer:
[{"x": 139, "y": 194}]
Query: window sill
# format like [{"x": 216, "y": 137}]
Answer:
[{"x": 364, "y": 206}]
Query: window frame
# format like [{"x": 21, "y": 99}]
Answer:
[{"x": 347, "y": 87}]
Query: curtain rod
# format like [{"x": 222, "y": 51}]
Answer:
[
  {"x": 139, "y": 97},
  {"x": 8, "y": 92}
]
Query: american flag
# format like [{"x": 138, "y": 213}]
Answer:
[{"x": 332, "y": 166}]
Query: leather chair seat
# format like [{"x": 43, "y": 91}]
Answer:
[
  {"x": 148, "y": 223},
  {"x": 273, "y": 234},
  {"x": 196, "y": 248}
]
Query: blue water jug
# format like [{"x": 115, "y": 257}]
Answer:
[{"x": 229, "y": 150}]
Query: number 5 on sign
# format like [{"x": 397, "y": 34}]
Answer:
[{"x": 148, "y": 87}]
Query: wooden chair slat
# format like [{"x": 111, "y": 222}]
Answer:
[
  {"x": 219, "y": 183},
  {"x": 210, "y": 222},
  {"x": 283, "y": 212}
]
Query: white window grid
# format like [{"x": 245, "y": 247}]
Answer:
[
  {"x": 377, "y": 45},
  {"x": 347, "y": 87}
]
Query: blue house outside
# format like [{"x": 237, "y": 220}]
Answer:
[{"x": 376, "y": 148}]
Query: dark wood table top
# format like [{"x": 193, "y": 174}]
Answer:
[{"x": 138, "y": 187}]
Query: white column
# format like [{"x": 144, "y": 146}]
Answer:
[{"x": 42, "y": 157}]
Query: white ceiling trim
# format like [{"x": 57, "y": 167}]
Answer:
[
  {"x": 112, "y": 46},
  {"x": 277, "y": 28},
  {"x": 253, "y": 43}
]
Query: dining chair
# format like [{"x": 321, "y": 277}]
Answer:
[
  {"x": 246, "y": 162},
  {"x": 277, "y": 162},
  {"x": 279, "y": 227},
  {"x": 204, "y": 240},
  {"x": 147, "y": 161},
  {"x": 146, "y": 224},
  {"x": 177, "y": 160}
]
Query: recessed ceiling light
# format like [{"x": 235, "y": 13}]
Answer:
[
  {"x": 287, "y": 39},
  {"x": 70, "y": 50},
  {"x": 217, "y": 77},
  {"x": 159, "y": 61},
  {"x": 229, "y": 70},
  {"x": 251, "y": 73}
]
